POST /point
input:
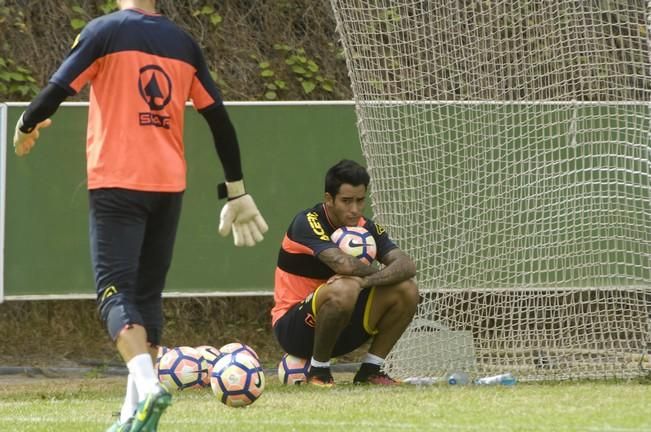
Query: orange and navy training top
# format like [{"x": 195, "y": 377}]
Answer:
[
  {"x": 142, "y": 68},
  {"x": 299, "y": 271}
]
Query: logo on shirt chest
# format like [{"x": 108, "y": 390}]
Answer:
[
  {"x": 155, "y": 88},
  {"x": 313, "y": 221}
]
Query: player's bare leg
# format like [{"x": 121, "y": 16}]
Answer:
[
  {"x": 139, "y": 356},
  {"x": 334, "y": 305},
  {"x": 391, "y": 312}
]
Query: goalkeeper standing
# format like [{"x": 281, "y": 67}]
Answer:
[{"x": 142, "y": 69}]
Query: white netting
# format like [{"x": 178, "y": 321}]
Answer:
[{"x": 510, "y": 154}]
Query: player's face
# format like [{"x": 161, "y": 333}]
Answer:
[{"x": 347, "y": 206}]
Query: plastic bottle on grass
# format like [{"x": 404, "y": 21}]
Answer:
[
  {"x": 506, "y": 379},
  {"x": 458, "y": 378}
]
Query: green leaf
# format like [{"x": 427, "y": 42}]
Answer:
[
  {"x": 213, "y": 75},
  {"x": 267, "y": 73},
  {"x": 79, "y": 10},
  {"x": 4, "y": 76},
  {"x": 298, "y": 69},
  {"x": 281, "y": 84},
  {"x": 312, "y": 66},
  {"x": 3, "y": 62},
  {"x": 264, "y": 65},
  {"x": 272, "y": 87},
  {"x": 271, "y": 95},
  {"x": 16, "y": 76},
  {"x": 327, "y": 86},
  {"x": 216, "y": 19},
  {"x": 207, "y": 10},
  {"x": 77, "y": 23},
  {"x": 290, "y": 61},
  {"x": 308, "y": 86}
]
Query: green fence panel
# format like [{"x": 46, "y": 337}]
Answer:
[{"x": 286, "y": 150}]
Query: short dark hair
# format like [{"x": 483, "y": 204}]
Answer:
[{"x": 345, "y": 172}]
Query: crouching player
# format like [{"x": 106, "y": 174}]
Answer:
[{"x": 328, "y": 303}]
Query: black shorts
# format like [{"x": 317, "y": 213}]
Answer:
[
  {"x": 295, "y": 329},
  {"x": 132, "y": 236}
]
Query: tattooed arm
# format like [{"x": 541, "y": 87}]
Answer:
[
  {"x": 344, "y": 264},
  {"x": 398, "y": 267}
]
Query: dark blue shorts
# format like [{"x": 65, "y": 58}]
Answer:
[
  {"x": 132, "y": 236},
  {"x": 295, "y": 329}
]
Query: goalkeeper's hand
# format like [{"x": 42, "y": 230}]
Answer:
[
  {"x": 24, "y": 141},
  {"x": 241, "y": 214}
]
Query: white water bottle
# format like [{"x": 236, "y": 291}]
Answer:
[
  {"x": 458, "y": 378},
  {"x": 503, "y": 379}
]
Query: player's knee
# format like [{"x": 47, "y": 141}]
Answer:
[
  {"x": 341, "y": 296},
  {"x": 408, "y": 295},
  {"x": 117, "y": 313}
]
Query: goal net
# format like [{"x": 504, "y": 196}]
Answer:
[{"x": 509, "y": 149}]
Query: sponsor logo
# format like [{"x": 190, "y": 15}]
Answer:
[
  {"x": 155, "y": 88},
  {"x": 108, "y": 292},
  {"x": 153, "y": 119},
  {"x": 313, "y": 220},
  {"x": 380, "y": 229}
]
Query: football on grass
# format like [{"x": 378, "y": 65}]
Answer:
[
  {"x": 355, "y": 241},
  {"x": 181, "y": 368},
  {"x": 237, "y": 380},
  {"x": 292, "y": 369},
  {"x": 211, "y": 355},
  {"x": 238, "y": 347}
]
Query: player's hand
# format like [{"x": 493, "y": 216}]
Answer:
[
  {"x": 242, "y": 216},
  {"x": 24, "y": 141}
]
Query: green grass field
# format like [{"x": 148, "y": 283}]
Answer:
[{"x": 84, "y": 405}]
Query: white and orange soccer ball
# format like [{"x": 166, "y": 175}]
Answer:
[
  {"x": 356, "y": 241},
  {"x": 211, "y": 355},
  {"x": 181, "y": 368},
  {"x": 292, "y": 369},
  {"x": 237, "y": 347},
  {"x": 237, "y": 380},
  {"x": 161, "y": 351}
]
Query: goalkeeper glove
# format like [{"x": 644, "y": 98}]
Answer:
[
  {"x": 25, "y": 140},
  {"x": 241, "y": 214}
]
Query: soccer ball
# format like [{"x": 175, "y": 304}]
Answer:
[
  {"x": 292, "y": 369},
  {"x": 161, "y": 351},
  {"x": 181, "y": 368},
  {"x": 355, "y": 241},
  {"x": 237, "y": 379},
  {"x": 211, "y": 355},
  {"x": 236, "y": 347}
]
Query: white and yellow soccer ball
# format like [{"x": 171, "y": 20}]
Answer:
[
  {"x": 237, "y": 380},
  {"x": 292, "y": 369},
  {"x": 356, "y": 241},
  {"x": 181, "y": 368},
  {"x": 211, "y": 355}
]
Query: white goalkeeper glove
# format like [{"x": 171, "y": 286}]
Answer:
[
  {"x": 24, "y": 141},
  {"x": 241, "y": 214}
]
